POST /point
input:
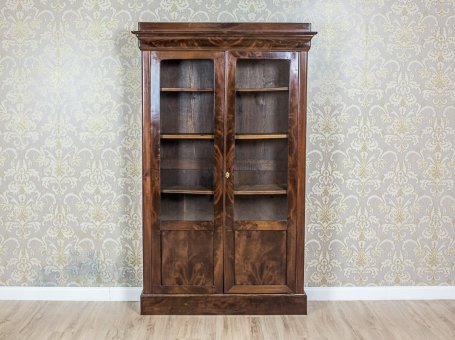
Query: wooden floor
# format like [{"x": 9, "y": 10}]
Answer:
[{"x": 326, "y": 320}]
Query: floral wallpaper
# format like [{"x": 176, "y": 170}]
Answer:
[{"x": 381, "y": 138}]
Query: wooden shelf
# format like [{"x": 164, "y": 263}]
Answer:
[
  {"x": 263, "y": 89},
  {"x": 260, "y": 190},
  {"x": 260, "y": 165},
  {"x": 186, "y": 136},
  {"x": 187, "y": 190},
  {"x": 261, "y": 136},
  {"x": 187, "y": 164},
  {"x": 185, "y": 89}
]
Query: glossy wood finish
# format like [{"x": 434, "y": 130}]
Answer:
[
  {"x": 262, "y": 136},
  {"x": 259, "y": 258},
  {"x": 262, "y": 89},
  {"x": 223, "y": 163},
  {"x": 186, "y": 190},
  {"x": 301, "y": 171},
  {"x": 192, "y": 136},
  {"x": 187, "y": 257},
  {"x": 236, "y": 304},
  {"x": 148, "y": 217},
  {"x": 341, "y": 320},
  {"x": 224, "y": 36},
  {"x": 189, "y": 89},
  {"x": 262, "y": 258},
  {"x": 187, "y": 254},
  {"x": 261, "y": 189}
]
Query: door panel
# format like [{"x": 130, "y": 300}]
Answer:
[
  {"x": 260, "y": 257},
  {"x": 187, "y": 97},
  {"x": 262, "y": 106},
  {"x": 187, "y": 258}
]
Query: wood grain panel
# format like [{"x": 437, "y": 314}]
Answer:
[
  {"x": 155, "y": 206},
  {"x": 192, "y": 259},
  {"x": 292, "y": 169},
  {"x": 260, "y": 289},
  {"x": 147, "y": 212},
  {"x": 186, "y": 225},
  {"x": 300, "y": 204},
  {"x": 260, "y": 257},
  {"x": 231, "y": 64},
  {"x": 187, "y": 258},
  {"x": 236, "y": 304},
  {"x": 219, "y": 170},
  {"x": 261, "y": 225},
  {"x": 252, "y": 40}
]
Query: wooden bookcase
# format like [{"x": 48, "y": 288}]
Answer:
[{"x": 224, "y": 120}]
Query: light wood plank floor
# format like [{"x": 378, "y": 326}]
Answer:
[{"x": 326, "y": 320}]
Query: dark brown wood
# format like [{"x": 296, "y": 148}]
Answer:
[
  {"x": 260, "y": 289},
  {"x": 187, "y": 258},
  {"x": 191, "y": 256},
  {"x": 260, "y": 257},
  {"x": 186, "y": 225},
  {"x": 147, "y": 212},
  {"x": 263, "y": 89},
  {"x": 234, "y": 304},
  {"x": 185, "y": 89},
  {"x": 301, "y": 140},
  {"x": 261, "y": 189},
  {"x": 260, "y": 225},
  {"x": 155, "y": 205},
  {"x": 261, "y": 136},
  {"x": 186, "y": 190},
  {"x": 219, "y": 170},
  {"x": 229, "y": 247},
  {"x": 224, "y": 36},
  {"x": 189, "y": 164},
  {"x": 187, "y": 136},
  {"x": 292, "y": 170},
  {"x": 224, "y": 119}
]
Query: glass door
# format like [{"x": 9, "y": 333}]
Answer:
[
  {"x": 187, "y": 122},
  {"x": 261, "y": 170}
]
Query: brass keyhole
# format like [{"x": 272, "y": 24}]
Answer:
[{"x": 227, "y": 174}]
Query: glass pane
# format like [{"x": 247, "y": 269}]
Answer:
[
  {"x": 187, "y": 164},
  {"x": 262, "y": 73},
  {"x": 261, "y": 163},
  {"x": 261, "y": 147},
  {"x": 185, "y": 207},
  {"x": 261, "y": 112},
  {"x": 261, "y": 207},
  {"x": 187, "y": 97},
  {"x": 186, "y": 149},
  {"x": 187, "y": 73}
]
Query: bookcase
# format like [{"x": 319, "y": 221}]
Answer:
[{"x": 224, "y": 124}]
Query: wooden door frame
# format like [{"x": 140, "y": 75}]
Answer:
[
  {"x": 291, "y": 224},
  {"x": 152, "y": 226}
]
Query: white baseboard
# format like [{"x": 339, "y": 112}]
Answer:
[
  {"x": 314, "y": 293},
  {"x": 71, "y": 293},
  {"x": 380, "y": 293}
]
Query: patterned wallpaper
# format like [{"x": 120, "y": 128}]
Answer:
[{"x": 381, "y": 144}]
